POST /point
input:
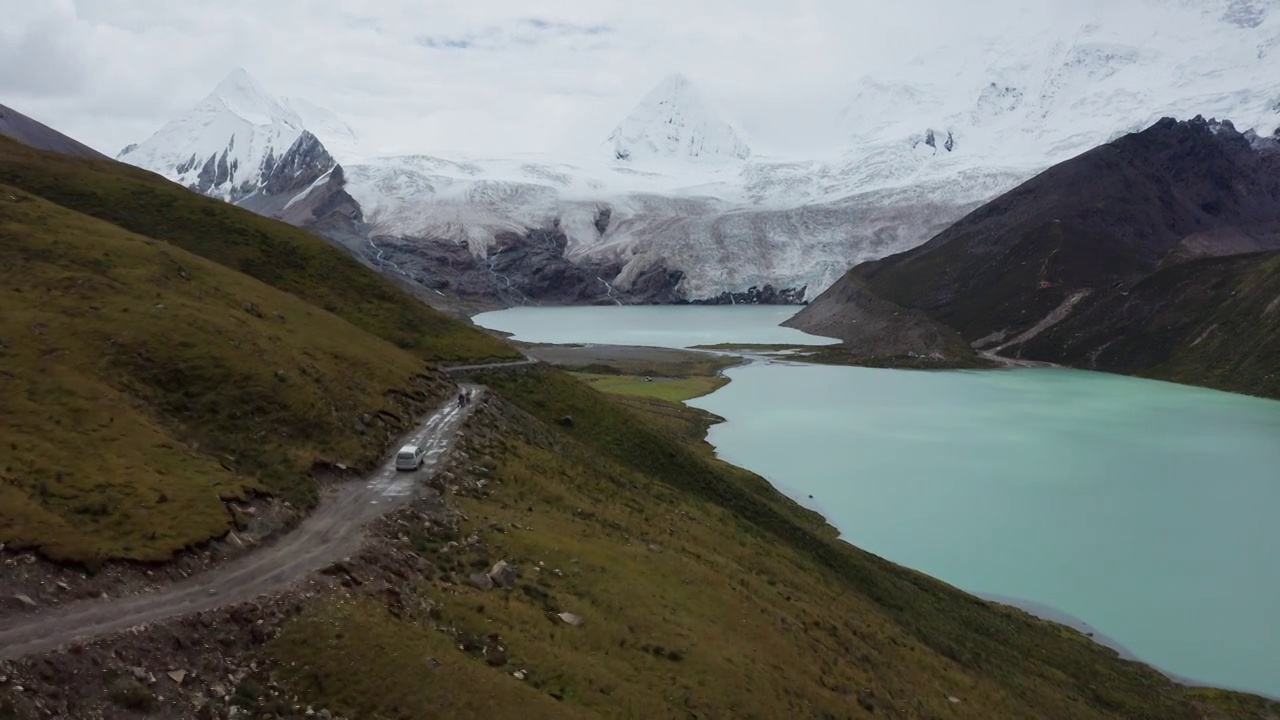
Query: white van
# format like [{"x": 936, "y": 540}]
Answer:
[{"x": 410, "y": 457}]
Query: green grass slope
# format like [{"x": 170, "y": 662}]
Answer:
[
  {"x": 162, "y": 353},
  {"x": 1212, "y": 322},
  {"x": 278, "y": 254},
  {"x": 704, "y": 593},
  {"x": 913, "y": 636},
  {"x": 669, "y": 389}
]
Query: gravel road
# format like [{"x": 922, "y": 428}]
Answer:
[{"x": 333, "y": 531}]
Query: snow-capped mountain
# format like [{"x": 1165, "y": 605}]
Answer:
[
  {"x": 230, "y": 144},
  {"x": 674, "y": 204},
  {"x": 337, "y": 136},
  {"x": 674, "y": 122},
  {"x": 1065, "y": 87}
]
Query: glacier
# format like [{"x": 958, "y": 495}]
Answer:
[{"x": 678, "y": 190}]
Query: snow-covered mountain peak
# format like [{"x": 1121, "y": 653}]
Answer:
[
  {"x": 1074, "y": 82},
  {"x": 245, "y": 97},
  {"x": 674, "y": 122},
  {"x": 236, "y": 138}
]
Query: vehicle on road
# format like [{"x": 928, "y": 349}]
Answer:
[{"x": 410, "y": 457}]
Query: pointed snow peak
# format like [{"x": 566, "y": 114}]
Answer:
[
  {"x": 678, "y": 91},
  {"x": 244, "y": 96},
  {"x": 240, "y": 84},
  {"x": 239, "y": 77},
  {"x": 673, "y": 121},
  {"x": 675, "y": 82}
]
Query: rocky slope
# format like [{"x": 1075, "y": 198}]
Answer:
[
  {"x": 304, "y": 186},
  {"x": 1132, "y": 225},
  {"x": 226, "y": 144},
  {"x": 243, "y": 145}
]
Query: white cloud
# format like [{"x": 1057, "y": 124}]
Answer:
[{"x": 492, "y": 76}]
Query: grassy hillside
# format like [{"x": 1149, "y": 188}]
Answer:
[
  {"x": 278, "y": 254},
  {"x": 162, "y": 353},
  {"x": 143, "y": 384},
  {"x": 1213, "y": 322},
  {"x": 703, "y": 593},
  {"x": 669, "y": 389}
]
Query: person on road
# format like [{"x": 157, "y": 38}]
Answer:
[{"x": 462, "y": 398}]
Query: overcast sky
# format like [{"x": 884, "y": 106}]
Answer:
[{"x": 489, "y": 76}]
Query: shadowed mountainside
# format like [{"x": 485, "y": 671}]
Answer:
[
  {"x": 1113, "y": 260},
  {"x": 17, "y": 126}
]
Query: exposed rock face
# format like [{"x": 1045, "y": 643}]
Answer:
[
  {"x": 278, "y": 183},
  {"x": 1117, "y": 248},
  {"x": 304, "y": 186},
  {"x": 767, "y": 295},
  {"x": 217, "y": 171},
  {"x": 304, "y": 163},
  {"x": 1111, "y": 215},
  {"x": 528, "y": 269}
]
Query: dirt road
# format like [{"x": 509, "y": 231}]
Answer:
[
  {"x": 330, "y": 533},
  {"x": 491, "y": 366}
]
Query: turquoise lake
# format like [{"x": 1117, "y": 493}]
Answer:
[
  {"x": 651, "y": 325},
  {"x": 1146, "y": 509}
]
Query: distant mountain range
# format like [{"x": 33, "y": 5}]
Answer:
[{"x": 677, "y": 205}]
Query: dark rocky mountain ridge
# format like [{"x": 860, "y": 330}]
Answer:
[{"x": 1144, "y": 242}]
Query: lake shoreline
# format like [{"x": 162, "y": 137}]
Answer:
[
  {"x": 776, "y": 353},
  {"x": 1051, "y": 614},
  {"x": 1036, "y": 609},
  {"x": 772, "y": 354}
]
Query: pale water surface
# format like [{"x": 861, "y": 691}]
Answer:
[
  {"x": 1147, "y": 509},
  {"x": 650, "y": 325}
]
